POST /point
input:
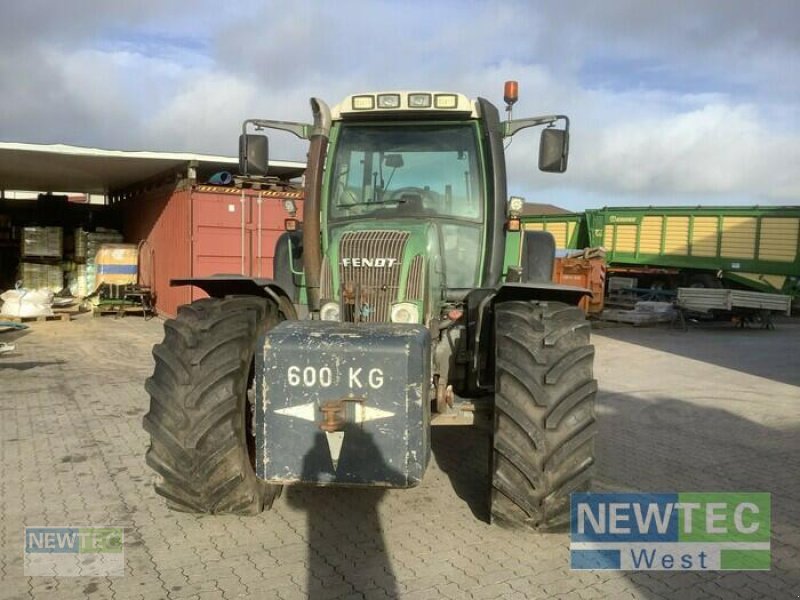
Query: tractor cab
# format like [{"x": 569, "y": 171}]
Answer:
[
  {"x": 404, "y": 207},
  {"x": 411, "y": 201}
]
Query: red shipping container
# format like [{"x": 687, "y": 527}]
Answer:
[{"x": 200, "y": 230}]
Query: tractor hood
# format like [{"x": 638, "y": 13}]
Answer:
[
  {"x": 420, "y": 234},
  {"x": 372, "y": 265}
]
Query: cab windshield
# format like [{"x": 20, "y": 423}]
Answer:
[{"x": 396, "y": 172}]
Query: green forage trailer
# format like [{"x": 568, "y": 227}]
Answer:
[
  {"x": 756, "y": 247},
  {"x": 568, "y": 229}
]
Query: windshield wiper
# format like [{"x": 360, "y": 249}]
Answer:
[{"x": 375, "y": 202}]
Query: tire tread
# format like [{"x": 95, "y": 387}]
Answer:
[
  {"x": 197, "y": 392},
  {"x": 544, "y": 426}
]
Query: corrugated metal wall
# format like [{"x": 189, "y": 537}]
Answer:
[
  {"x": 235, "y": 233},
  {"x": 564, "y": 231},
  {"x": 162, "y": 217}
]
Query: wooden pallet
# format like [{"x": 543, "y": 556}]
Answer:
[
  {"x": 636, "y": 318},
  {"x": 70, "y": 310},
  {"x": 55, "y": 317},
  {"x": 119, "y": 311}
]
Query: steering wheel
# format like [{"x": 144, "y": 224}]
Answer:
[{"x": 397, "y": 194}]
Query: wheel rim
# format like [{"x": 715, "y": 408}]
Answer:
[{"x": 249, "y": 415}]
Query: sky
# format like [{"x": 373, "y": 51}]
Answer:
[{"x": 671, "y": 103}]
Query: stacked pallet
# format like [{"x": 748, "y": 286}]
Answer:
[
  {"x": 37, "y": 276},
  {"x": 83, "y": 281},
  {"x": 44, "y": 242},
  {"x": 41, "y": 251}
]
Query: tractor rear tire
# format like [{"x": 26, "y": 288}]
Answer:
[
  {"x": 544, "y": 421},
  {"x": 199, "y": 409}
]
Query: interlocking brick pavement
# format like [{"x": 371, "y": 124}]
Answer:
[{"x": 710, "y": 409}]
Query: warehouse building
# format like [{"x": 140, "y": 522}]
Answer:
[{"x": 180, "y": 214}]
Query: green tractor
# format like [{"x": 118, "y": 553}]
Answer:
[{"x": 409, "y": 299}]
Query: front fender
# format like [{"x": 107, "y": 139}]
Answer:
[
  {"x": 480, "y": 322},
  {"x": 553, "y": 292},
  {"x": 219, "y": 286}
]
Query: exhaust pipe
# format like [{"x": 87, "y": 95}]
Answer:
[{"x": 312, "y": 240}]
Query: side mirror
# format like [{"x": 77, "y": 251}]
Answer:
[
  {"x": 553, "y": 150},
  {"x": 253, "y": 155}
]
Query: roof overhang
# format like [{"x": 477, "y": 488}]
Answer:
[{"x": 62, "y": 168}]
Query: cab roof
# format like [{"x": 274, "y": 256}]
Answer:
[{"x": 400, "y": 104}]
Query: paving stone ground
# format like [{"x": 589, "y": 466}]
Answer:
[{"x": 712, "y": 409}]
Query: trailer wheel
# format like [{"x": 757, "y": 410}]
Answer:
[
  {"x": 200, "y": 418},
  {"x": 544, "y": 422}
]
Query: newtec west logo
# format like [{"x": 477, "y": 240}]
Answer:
[{"x": 670, "y": 532}]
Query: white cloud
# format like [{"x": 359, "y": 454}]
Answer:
[
  {"x": 640, "y": 144},
  {"x": 693, "y": 104},
  {"x": 714, "y": 150}
]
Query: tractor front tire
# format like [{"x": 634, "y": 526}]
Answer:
[
  {"x": 199, "y": 409},
  {"x": 544, "y": 421}
]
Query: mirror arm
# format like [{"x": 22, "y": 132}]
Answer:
[
  {"x": 512, "y": 127},
  {"x": 301, "y": 130}
]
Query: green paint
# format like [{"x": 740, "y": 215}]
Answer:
[
  {"x": 106, "y": 540},
  {"x": 745, "y": 560},
  {"x": 725, "y": 517},
  {"x": 512, "y": 251}
]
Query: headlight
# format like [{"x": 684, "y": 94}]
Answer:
[
  {"x": 329, "y": 311},
  {"x": 389, "y": 101},
  {"x": 419, "y": 100},
  {"x": 405, "y": 312}
]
